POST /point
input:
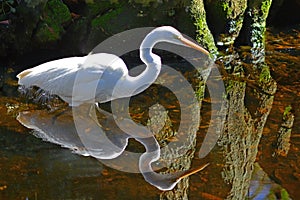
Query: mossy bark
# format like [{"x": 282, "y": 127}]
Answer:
[
  {"x": 225, "y": 19},
  {"x": 176, "y": 157},
  {"x": 241, "y": 135},
  {"x": 50, "y": 28},
  {"x": 204, "y": 35},
  {"x": 230, "y": 22},
  {"x": 254, "y": 28}
]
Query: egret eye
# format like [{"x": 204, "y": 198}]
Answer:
[{"x": 177, "y": 37}]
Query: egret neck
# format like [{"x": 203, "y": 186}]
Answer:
[{"x": 129, "y": 85}]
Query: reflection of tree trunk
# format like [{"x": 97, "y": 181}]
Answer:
[
  {"x": 177, "y": 157},
  {"x": 236, "y": 141},
  {"x": 249, "y": 99},
  {"x": 284, "y": 133},
  {"x": 182, "y": 161},
  {"x": 240, "y": 139}
]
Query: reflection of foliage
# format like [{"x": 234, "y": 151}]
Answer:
[
  {"x": 287, "y": 112},
  {"x": 284, "y": 194},
  {"x": 265, "y": 76}
]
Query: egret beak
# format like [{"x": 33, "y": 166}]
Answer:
[{"x": 193, "y": 45}]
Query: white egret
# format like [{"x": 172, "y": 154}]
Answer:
[{"x": 58, "y": 77}]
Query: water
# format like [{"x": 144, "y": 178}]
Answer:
[{"x": 32, "y": 168}]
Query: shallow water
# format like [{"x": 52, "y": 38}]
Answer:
[{"x": 31, "y": 168}]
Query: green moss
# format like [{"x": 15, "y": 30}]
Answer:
[
  {"x": 258, "y": 10},
  {"x": 57, "y": 12},
  {"x": 204, "y": 35},
  {"x": 226, "y": 18},
  {"x": 284, "y": 195},
  {"x": 200, "y": 92},
  {"x": 229, "y": 86},
  {"x": 287, "y": 112},
  {"x": 47, "y": 33},
  {"x": 265, "y": 7},
  {"x": 275, "y": 192},
  {"x": 226, "y": 8},
  {"x": 55, "y": 15},
  {"x": 103, "y": 20},
  {"x": 97, "y": 7},
  {"x": 265, "y": 76}
]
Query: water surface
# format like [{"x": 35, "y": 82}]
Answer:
[{"x": 31, "y": 168}]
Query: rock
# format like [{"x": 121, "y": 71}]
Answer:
[
  {"x": 16, "y": 36},
  {"x": 51, "y": 27},
  {"x": 122, "y": 17}
]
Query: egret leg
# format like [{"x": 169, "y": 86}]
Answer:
[
  {"x": 97, "y": 107},
  {"x": 92, "y": 113}
]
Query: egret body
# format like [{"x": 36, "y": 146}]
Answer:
[{"x": 60, "y": 77}]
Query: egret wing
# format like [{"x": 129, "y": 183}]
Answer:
[
  {"x": 97, "y": 77},
  {"x": 77, "y": 79}
]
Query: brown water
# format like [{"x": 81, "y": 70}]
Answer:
[{"x": 31, "y": 168}]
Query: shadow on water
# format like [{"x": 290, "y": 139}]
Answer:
[{"x": 34, "y": 169}]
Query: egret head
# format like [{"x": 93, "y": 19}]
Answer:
[{"x": 171, "y": 35}]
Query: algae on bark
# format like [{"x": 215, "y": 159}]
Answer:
[{"x": 204, "y": 35}]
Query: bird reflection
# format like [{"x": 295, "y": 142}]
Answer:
[
  {"x": 87, "y": 138},
  {"x": 99, "y": 136},
  {"x": 163, "y": 182}
]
